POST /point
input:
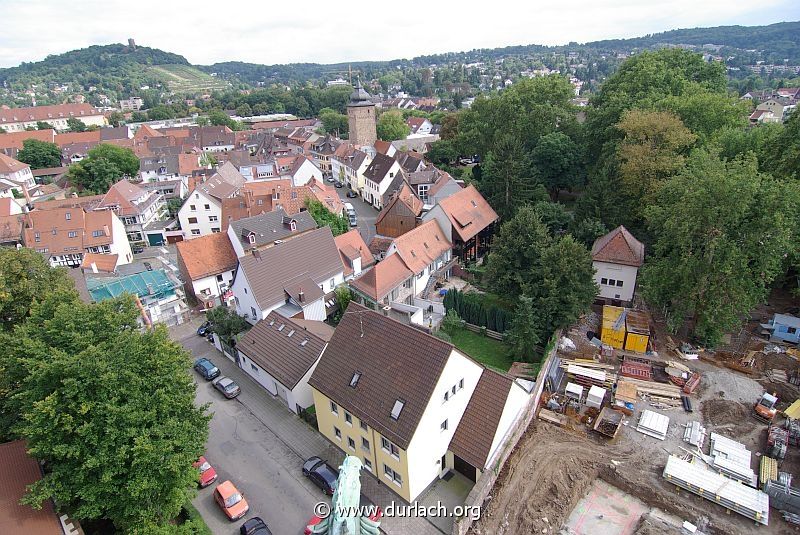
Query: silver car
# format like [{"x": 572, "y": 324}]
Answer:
[{"x": 227, "y": 386}]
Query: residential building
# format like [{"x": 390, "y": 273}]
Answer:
[
  {"x": 19, "y": 472},
  {"x": 361, "y": 117},
  {"x": 432, "y": 184},
  {"x": 355, "y": 254},
  {"x": 131, "y": 104},
  {"x": 295, "y": 278},
  {"x": 10, "y": 143},
  {"x": 207, "y": 265},
  {"x": 383, "y": 176},
  {"x": 783, "y": 328},
  {"x": 281, "y": 355},
  {"x": 412, "y": 261},
  {"x": 397, "y": 398},
  {"x": 18, "y": 119},
  {"x": 11, "y": 222},
  {"x": 616, "y": 258},
  {"x": 401, "y": 213},
  {"x": 266, "y": 230},
  {"x": 419, "y": 125},
  {"x": 99, "y": 263},
  {"x": 410, "y": 162},
  {"x": 214, "y": 138},
  {"x": 322, "y": 150},
  {"x": 201, "y": 213},
  {"x": 16, "y": 175},
  {"x": 137, "y": 207},
  {"x": 159, "y": 294},
  {"x": 350, "y": 167},
  {"x": 65, "y": 235},
  {"x": 467, "y": 220}
]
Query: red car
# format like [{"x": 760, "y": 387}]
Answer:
[
  {"x": 230, "y": 500},
  {"x": 207, "y": 473},
  {"x": 316, "y": 520}
]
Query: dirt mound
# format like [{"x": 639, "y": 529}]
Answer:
[
  {"x": 551, "y": 470},
  {"x": 721, "y": 412}
]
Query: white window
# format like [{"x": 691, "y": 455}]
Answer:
[
  {"x": 460, "y": 384},
  {"x": 72, "y": 234},
  {"x": 337, "y": 433},
  {"x": 390, "y": 448},
  {"x": 391, "y": 475},
  {"x": 364, "y": 444},
  {"x": 334, "y": 408},
  {"x": 368, "y": 464},
  {"x": 332, "y": 283},
  {"x": 254, "y": 367},
  {"x": 192, "y": 207},
  {"x": 195, "y": 232},
  {"x": 348, "y": 418},
  {"x": 363, "y": 425},
  {"x": 251, "y": 238},
  {"x": 213, "y": 218},
  {"x": 351, "y": 443}
]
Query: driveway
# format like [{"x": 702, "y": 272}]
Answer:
[
  {"x": 241, "y": 448},
  {"x": 365, "y": 212}
]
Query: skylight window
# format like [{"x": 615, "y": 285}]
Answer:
[
  {"x": 281, "y": 327},
  {"x": 398, "y": 407},
  {"x": 354, "y": 380},
  {"x": 304, "y": 342},
  {"x": 474, "y": 204},
  {"x": 290, "y": 333}
]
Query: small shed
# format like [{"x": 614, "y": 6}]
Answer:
[
  {"x": 783, "y": 328},
  {"x": 613, "y": 326},
  {"x": 574, "y": 391},
  {"x": 637, "y": 327},
  {"x": 595, "y": 397}
]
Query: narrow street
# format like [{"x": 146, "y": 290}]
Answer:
[{"x": 365, "y": 212}]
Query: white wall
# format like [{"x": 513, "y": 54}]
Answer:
[
  {"x": 617, "y": 272},
  {"x": 315, "y": 310},
  {"x": 120, "y": 244},
  {"x": 429, "y": 442},
  {"x": 235, "y": 243},
  {"x": 210, "y": 283},
  {"x": 199, "y": 199},
  {"x": 515, "y": 403},
  {"x": 306, "y": 172},
  {"x": 244, "y": 297}
]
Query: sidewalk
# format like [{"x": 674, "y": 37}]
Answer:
[{"x": 298, "y": 436}]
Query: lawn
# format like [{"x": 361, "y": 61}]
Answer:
[{"x": 488, "y": 351}]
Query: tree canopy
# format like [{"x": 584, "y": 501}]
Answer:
[
  {"x": 322, "y": 216},
  {"x": 104, "y": 165},
  {"x": 39, "y": 154},
  {"x": 391, "y": 126}
]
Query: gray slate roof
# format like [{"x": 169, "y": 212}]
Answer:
[
  {"x": 271, "y": 226},
  {"x": 311, "y": 255}
]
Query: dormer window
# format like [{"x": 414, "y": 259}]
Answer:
[
  {"x": 68, "y": 216},
  {"x": 293, "y": 225},
  {"x": 251, "y": 238}
]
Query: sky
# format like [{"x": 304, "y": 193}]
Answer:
[{"x": 332, "y": 31}]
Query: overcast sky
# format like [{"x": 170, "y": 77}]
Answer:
[{"x": 337, "y": 31}]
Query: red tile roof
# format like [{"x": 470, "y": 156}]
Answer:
[
  {"x": 387, "y": 275},
  {"x": 422, "y": 245},
  {"x": 47, "y": 113},
  {"x": 53, "y": 229},
  {"x": 468, "y": 211},
  {"x": 10, "y": 165},
  {"x": 618, "y": 247},
  {"x": 19, "y": 471},
  {"x": 14, "y": 140},
  {"x": 351, "y": 245},
  {"x": 105, "y": 263},
  {"x": 207, "y": 255}
]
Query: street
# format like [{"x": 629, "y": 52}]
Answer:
[
  {"x": 241, "y": 448},
  {"x": 365, "y": 212}
]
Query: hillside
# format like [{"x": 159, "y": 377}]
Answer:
[{"x": 116, "y": 71}]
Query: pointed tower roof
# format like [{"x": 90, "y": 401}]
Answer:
[{"x": 359, "y": 96}]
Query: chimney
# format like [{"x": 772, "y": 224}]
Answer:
[
  {"x": 256, "y": 254},
  {"x": 301, "y": 295}
]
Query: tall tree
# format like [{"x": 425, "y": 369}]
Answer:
[
  {"x": 506, "y": 179},
  {"x": 524, "y": 337},
  {"x": 722, "y": 230},
  {"x": 556, "y": 159},
  {"x": 108, "y": 409},
  {"x": 76, "y": 125},
  {"x": 334, "y": 122},
  {"x": 391, "y": 126},
  {"x": 104, "y": 165},
  {"x": 39, "y": 154}
]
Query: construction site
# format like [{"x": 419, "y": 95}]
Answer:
[{"x": 637, "y": 432}]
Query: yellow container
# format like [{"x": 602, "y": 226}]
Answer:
[
  {"x": 637, "y": 325},
  {"x": 608, "y": 334},
  {"x": 636, "y": 342}
]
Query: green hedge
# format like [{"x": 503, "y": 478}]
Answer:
[{"x": 473, "y": 308}]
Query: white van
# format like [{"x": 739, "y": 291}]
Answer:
[{"x": 351, "y": 214}]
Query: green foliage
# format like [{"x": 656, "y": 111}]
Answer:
[
  {"x": 108, "y": 409},
  {"x": 334, "y": 122},
  {"x": 785, "y": 153},
  {"x": 76, "y": 125},
  {"x": 173, "y": 206},
  {"x": 25, "y": 279},
  {"x": 39, "y": 154},
  {"x": 524, "y": 336},
  {"x": 488, "y": 351},
  {"x": 116, "y": 118},
  {"x": 442, "y": 335},
  {"x": 226, "y": 323},
  {"x": 722, "y": 231},
  {"x": 104, "y": 165},
  {"x": 554, "y": 216},
  {"x": 218, "y": 117},
  {"x": 555, "y": 272},
  {"x": 42, "y": 125},
  {"x": 442, "y": 152},
  {"x": 391, "y": 126},
  {"x": 476, "y": 309},
  {"x": 244, "y": 110},
  {"x": 343, "y": 298},
  {"x": 556, "y": 158},
  {"x": 506, "y": 178},
  {"x": 322, "y": 216},
  {"x": 587, "y": 230}
]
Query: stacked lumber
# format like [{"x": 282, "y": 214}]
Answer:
[
  {"x": 626, "y": 391},
  {"x": 588, "y": 377},
  {"x": 777, "y": 376},
  {"x": 655, "y": 389},
  {"x": 552, "y": 417},
  {"x": 586, "y": 363},
  {"x": 695, "y": 434},
  {"x": 768, "y": 470}
]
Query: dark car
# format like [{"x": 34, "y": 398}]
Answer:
[
  {"x": 321, "y": 474},
  {"x": 338, "y": 184},
  {"x": 206, "y": 368},
  {"x": 351, "y": 194},
  {"x": 228, "y": 388},
  {"x": 210, "y": 336},
  {"x": 137, "y": 250},
  {"x": 148, "y": 267},
  {"x": 203, "y": 329},
  {"x": 255, "y": 526}
]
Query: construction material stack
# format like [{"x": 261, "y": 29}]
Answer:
[{"x": 777, "y": 442}]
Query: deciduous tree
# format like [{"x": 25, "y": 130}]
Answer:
[{"x": 39, "y": 154}]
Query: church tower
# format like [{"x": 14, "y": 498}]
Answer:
[{"x": 361, "y": 117}]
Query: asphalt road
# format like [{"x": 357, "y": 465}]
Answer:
[
  {"x": 245, "y": 451},
  {"x": 365, "y": 212}
]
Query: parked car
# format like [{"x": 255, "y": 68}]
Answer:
[
  {"x": 206, "y": 368},
  {"x": 203, "y": 329},
  {"x": 330, "y": 178},
  {"x": 321, "y": 474},
  {"x": 137, "y": 250},
  {"x": 227, "y": 386},
  {"x": 351, "y": 214},
  {"x": 338, "y": 184},
  {"x": 207, "y": 473},
  {"x": 351, "y": 194},
  {"x": 148, "y": 267},
  {"x": 376, "y": 516},
  {"x": 255, "y": 526},
  {"x": 231, "y": 500}
]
